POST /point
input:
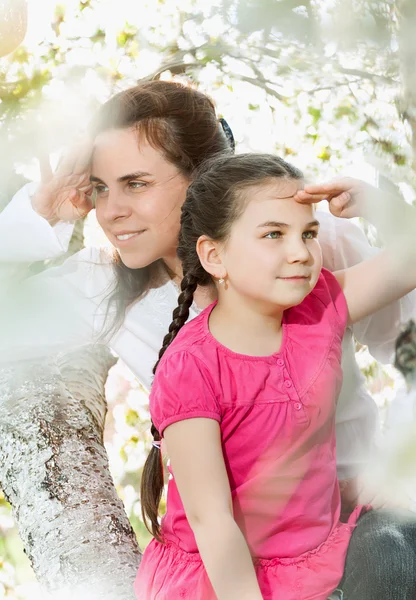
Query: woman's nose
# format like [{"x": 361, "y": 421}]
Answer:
[{"x": 117, "y": 206}]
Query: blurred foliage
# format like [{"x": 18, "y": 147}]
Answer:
[
  {"x": 323, "y": 82},
  {"x": 330, "y": 65}
]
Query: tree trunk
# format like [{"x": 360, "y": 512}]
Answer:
[{"x": 54, "y": 472}]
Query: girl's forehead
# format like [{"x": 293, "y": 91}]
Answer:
[
  {"x": 278, "y": 189},
  {"x": 276, "y": 202}
]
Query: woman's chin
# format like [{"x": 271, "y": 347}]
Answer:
[{"x": 136, "y": 262}]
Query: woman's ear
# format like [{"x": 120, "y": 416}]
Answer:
[{"x": 209, "y": 253}]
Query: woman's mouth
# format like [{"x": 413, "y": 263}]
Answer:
[{"x": 124, "y": 238}]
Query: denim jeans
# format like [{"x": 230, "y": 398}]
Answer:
[{"x": 381, "y": 558}]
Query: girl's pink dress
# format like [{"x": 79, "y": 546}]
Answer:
[{"x": 276, "y": 415}]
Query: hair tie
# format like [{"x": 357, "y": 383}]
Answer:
[
  {"x": 228, "y": 133},
  {"x": 156, "y": 444}
]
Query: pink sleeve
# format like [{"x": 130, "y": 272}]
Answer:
[
  {"x": 182, "y": 389},
  {"x": 335, "y": 298}
]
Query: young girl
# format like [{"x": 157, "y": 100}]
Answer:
[{"x": 244, "y": 395}]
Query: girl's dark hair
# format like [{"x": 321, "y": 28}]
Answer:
[
  {"x": 179, "y": 121},
  {"x": 217, "y": 197}
]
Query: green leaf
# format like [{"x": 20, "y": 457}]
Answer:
[{"x": 316, "y": 113}]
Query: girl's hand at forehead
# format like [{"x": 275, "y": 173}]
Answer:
[
  {"x": 347, "y": 197},
  {"x": 66, "y": 194}
]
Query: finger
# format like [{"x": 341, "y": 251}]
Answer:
[
  {"x": 46, "y": 173},
  {"x": 331, "y": 187},
  {"x": 309, "y": 198},
  {"x": 342, "y": 199},
  {"x": 343, "y": 206},
  {"x": 82, "y": 203},
  {"x": 340, "y": 202},
  {"x": 76, "y": 160}
]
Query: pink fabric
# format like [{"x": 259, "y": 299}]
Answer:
[{"x": 276, "y": 415}]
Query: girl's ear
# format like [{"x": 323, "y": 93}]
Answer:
[{"x": 209, "y": 253}]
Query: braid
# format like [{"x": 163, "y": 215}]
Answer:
[
  {"x": 180, "y": 314},
  {"x": 152, "y": 482}
]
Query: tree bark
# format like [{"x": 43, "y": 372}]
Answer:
[{"x": 54, "y": 472}]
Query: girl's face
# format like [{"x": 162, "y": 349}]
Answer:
[
  {"x": 272, "y": 255},
  {"x": 139, "y": 195}
]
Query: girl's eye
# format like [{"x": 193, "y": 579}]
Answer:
[
  {"x": 273, "y": 235},
  {"x": 135, "y": 185},
  {"x": 310, "y": 235}
]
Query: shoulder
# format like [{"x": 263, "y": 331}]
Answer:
[
  {"x": 183, "y": 388},
  {"x": 192, "y": 338},
  {"x": 329, "y": 294},
  {"x": 187, "y": 357}
]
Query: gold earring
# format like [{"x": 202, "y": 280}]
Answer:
[{"x": 221, "y": 280}]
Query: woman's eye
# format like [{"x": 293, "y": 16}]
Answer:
[
  {"x": 135, "y": 185},
  {"x": 273, "y": 235},
  {"x": 310, "y": 235},
  {"x": 100, "y": 189}
]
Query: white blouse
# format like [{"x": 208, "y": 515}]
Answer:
[{"x": 65, "y": 307}]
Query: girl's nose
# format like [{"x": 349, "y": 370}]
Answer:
[{"x": 297, "y": 251}]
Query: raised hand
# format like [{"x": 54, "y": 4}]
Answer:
[
  {"x": 347, "y": 197},
  {"x": 65, "y": 194}
]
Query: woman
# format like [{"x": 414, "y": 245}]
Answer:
[{"x": 147, "y": 141}]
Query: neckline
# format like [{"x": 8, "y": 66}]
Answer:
[{"x": 248, "y": 357}]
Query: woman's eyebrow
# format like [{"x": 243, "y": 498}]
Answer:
[
  {"x": 126, "y": 177},
  {"x": 94, "y": 179},
  {"x": 135, "y": 175}
]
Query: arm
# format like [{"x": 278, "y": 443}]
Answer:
[
  {"x": 25, "y": 236},
  {"x": 344, "y": 245},
  {"x": 37, "y": 223},
  {"x": 375, "y": 283},
  {"x": 56, "y": 310},
  {"x": 204, "y": 488}
]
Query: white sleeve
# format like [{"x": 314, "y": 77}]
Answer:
[
  {"x": 345, "y": 245},
  {"x": 61, "y": 308},
  {"x": 25, "y": 236}
]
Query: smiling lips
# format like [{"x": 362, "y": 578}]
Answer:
[{"x": 124, "y": 236}]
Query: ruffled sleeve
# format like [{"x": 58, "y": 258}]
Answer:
[
  {"x": 182, "y": 389},
  {"x": 25, "y": 236}
]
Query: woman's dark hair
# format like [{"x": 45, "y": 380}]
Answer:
[
  {"x": 179, "y": 121},
  {"x": 217, "y": 197}
]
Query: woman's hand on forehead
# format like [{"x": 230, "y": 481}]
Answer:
[{"x": 65, "y": 194}]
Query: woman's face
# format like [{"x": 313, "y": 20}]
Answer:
[{"x": 139, "y": 195}]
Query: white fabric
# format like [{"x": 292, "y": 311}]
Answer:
[{"x": 65, "y": 307}]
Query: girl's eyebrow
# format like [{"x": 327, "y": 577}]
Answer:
[
  {"x": 285, "y": 225},
  {"x": 127, "y": 177}
]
